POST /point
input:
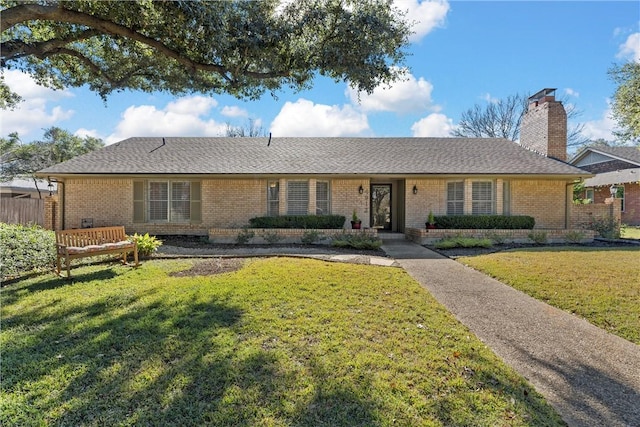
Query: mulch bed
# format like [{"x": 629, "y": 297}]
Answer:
[
  {"x": 211, "y": 266},
  {"x": 462, "y": 252},
  {"x": 200, "y": 242}
]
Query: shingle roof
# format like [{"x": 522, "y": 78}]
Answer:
[
  {"x": 631, "y": 154},
  {"x": 616, "y": 177},
  {"x": 314, "y": 156}
]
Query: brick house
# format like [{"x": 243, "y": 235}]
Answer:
[
  {"x": 616, "y": 168},
  {"x": 177, "y": 185}
]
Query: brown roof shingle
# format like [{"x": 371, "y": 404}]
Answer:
[{"x": 402, "y": 156}]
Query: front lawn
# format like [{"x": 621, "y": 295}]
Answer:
[
  {"x": 601, "y": 285},
  {"x": 280, "y": 342},
  {"x": 630, "y": 232}
]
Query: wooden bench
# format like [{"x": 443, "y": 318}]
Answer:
[{"x": 88, "y": 242}]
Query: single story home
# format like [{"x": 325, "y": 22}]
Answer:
[
  {"x": 183, "y": 185},
  {"x": 617, "y": 171}
]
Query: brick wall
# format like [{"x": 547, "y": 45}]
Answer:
[
  {"x": 631, "y": 214},
  {"x": 226, "y": 203},
  {"x": 583, "y": 215},
  {"x": 545, "y": 200},
  {"x": 544, "y": 129}
]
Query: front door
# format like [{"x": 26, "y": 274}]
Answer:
[{"x": 381, "y": 206}]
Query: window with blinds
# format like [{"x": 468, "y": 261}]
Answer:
[
  {"x": 180, "y": 201},
  {"x": 273, "y": 198},
  {"x": 158, "y": 201},
  {"x": 297, "y": 197},
  {"x": 323, "y": 206},
  {"x": 167, "y": 201},
  {"x": 482, "y": 200},
  {"x": 455, "y": 198}
]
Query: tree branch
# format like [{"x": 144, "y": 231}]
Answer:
[{"x": 27, "y": 12}]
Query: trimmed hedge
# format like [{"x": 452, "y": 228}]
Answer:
[
  {"x": 298, "y": 221},
  {"x": 25, "y": 249},
  {"x": 485, "y": 222}
]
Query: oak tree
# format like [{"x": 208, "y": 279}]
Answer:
[
  {"x": 243, "y": 48},
  {"x": 625, "y": 104}
]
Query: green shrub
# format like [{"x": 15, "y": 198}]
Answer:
[
  {"x": 538, "y": 237},
  {"x": 356, "y": 241},
  {"x": 146, "y": 244},
  {"x": 574, "y": 236},
  {"x": 607, "y": 227},
  {"x": 298, "y": 221},
  {"x": 463, "y": 242},
  {"x": 497, "y": 238},
  {"x": 271, "y": 237},
  {"x": 244, "y": 236},
  {"x": 311, "y": 236},
  {"x": 485, "y": 222},
  {"x": 25, "y": 249}
]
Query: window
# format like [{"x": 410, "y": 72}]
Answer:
[
  {"x": 273, "y": 198},
  {"x": 482, "y": 198},
  {"x": 166, "y": 201},
  {"x": 297, "y": 197},
  {"x": 506, "y": 198},
  {"x": 588, "y": 195},
  {"x": 322, "y": 198},
  {"x": 455, "y": 198},
  {"x": 158, "y": 201}
]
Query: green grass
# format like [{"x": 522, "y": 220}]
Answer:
[
  {"x": 281, "y": 342},
  {"x": 600, "y": 285},
  {"x": 630, "y": 232}
]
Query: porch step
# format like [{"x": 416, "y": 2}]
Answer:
[{"x": 391, "y": 236}]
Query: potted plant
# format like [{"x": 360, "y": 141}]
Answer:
[
  {"x": 355, "y": 221},
  {"x": 431, "y": 221}
]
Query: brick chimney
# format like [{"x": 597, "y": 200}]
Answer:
[{"x": 544, "y": 126}]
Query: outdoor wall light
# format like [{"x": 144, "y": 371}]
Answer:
[
  {"x": 613, "y": 190},
  {"x": 415, "y": 189},
  {"x": 50, "y": 187},
  {"x": 360, "y": 190}
]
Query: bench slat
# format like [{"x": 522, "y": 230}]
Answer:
[{"x": 86, "y": 242}]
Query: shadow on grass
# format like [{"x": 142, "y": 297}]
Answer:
[
  {"x": 52, "y": 281},
  {"x": 143, "y": 359}
]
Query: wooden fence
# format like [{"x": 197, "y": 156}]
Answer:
[{"x": 22, "y": 211}]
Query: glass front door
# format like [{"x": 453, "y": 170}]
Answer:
[{"x": 381, "y": 206}]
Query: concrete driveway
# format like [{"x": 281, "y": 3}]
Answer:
[{"x": 591, "y": 377}]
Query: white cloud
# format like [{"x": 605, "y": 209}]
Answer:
[
  {"x": 630, "y": 49},
  {"x": 182, "y": 117},
  {"x": 425, "y": 15},
  {"x": 433, "y": 125},
  {"x": 82, "y": 132},
  {"x": 601, "y": 128},
  {"x": 490, "y": 99},
  {"x": 570, "y": 92},
  {"x": 234, "y": 112},
  {"x": 410, "y": 95},
  {"x": 304, "y": 118},
  {"x": 34, "y": 113}
]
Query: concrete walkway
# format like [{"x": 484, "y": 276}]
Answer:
[{"x": 591, "y": 377}]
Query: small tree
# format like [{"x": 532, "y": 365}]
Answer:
[{"x": 58, "y": 145}]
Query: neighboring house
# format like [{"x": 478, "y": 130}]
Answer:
[
  {"x": 617, "y": 167},
  {"x": 191, "y": 185},
  {"x": 25, "y": 188}
]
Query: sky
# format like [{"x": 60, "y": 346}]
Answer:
[{"x": 463, "y": 53}]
